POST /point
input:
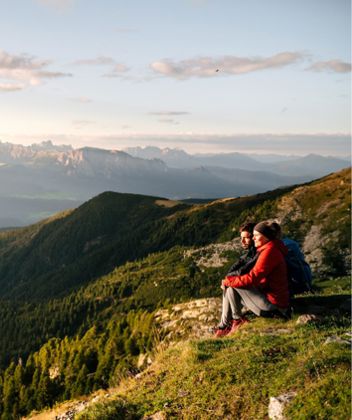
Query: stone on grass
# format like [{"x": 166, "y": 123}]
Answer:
[
  {"x": 70, "y": 414},
  {"x": 278, "y": 404},
  {"x": 160, "y": 415},
  {"x": 308, "y": 319},
  {"x": 144, "y": 361},
  {"x": 338, "y": 340}
]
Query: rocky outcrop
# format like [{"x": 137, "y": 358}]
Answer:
[
  {"x": 278, "y": 404},
  {"x": 212, "y": 255},
  {"x": 191, "y": 319}
]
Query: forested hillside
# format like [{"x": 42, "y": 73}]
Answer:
[{"x": 78, "y": 291}]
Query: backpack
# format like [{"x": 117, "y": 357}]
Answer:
[{"x": 298, "y": 270}]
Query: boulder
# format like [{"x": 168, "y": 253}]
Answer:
[
  {"x": 308, "y": 319},
  {"x": 278, "y": 404}
]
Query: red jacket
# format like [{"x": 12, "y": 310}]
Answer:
[{"x": 268, "y": 275}]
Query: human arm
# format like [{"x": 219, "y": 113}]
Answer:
[{"x": 257, "y": 276}]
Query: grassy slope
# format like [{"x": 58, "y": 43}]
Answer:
[
  {"x": 196, "y": 226},
  {"x": 55, "y": 256},
  {"x": 236, "y": 376}
]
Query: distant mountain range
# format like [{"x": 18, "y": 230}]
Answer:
[
  {"x": 38, "y": 180},
  {"x": 313, "y": 165}
]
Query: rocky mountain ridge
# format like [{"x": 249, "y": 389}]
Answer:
[{"x": 36, "y": 179}]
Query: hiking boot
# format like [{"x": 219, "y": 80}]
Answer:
[
  {"x": 222, "y": 331},
  {"x": 237, "y": 323}
]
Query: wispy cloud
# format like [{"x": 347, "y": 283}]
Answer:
[
  {"x": 10, "y": 87},
  {"x": 169, "y": 121},
  {"x": 116, "y": 69},
  {"x": 170, "y": 113},
  {"x": 82, "y": 123},
  {"x": 98, "y": 61},
  {"x": 331, "y": 66},
  {"x": 26, "y": 69},
  {"x": 227, "y": 65}
]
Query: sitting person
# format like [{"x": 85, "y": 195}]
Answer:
[
  {"x": 264, "y": 289},
  {"x": 242, "y": 266}
]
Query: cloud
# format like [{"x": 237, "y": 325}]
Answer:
[
  {"x": 98, "y": 61},
  {"x": 228, "y": 65},
  {"x": 10, "y": 87},
  {"x": 170, "y": 113},
  {"x": 52, "y": 74},
  {"x": 169, "y": 121},
  {"x": 81, "y": 123},
  {"x": 26, "y": 69},
  {"x": 331, "y": 66},
  {"x": 118, "y": 70}
]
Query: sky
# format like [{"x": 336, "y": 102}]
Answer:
[{"x": 269, "y": 76}]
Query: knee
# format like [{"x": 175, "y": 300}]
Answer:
[{"x": 230, "y": 291}]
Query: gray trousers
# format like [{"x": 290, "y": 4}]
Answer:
[{"x": 234, "y": 299}]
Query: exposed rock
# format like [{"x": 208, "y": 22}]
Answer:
[
  {"x": 211, "y": 255},
  {"x": 289, "y": 208},
  {"x": 338, "y": 340},
  {"x": 278, "y": 404},
  {"x": 193, "y": 319},
  {"x": 160, "y": 415},
  {"x": 54, "y": 372},
  {"x": 308, "y": 319},
  {"x": 70, "y": 414},
  {"x": 144, "y": 360},
  {"x": 312, "y": 252}
]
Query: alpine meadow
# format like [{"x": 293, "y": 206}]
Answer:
[{"x": 81, "y": 295}]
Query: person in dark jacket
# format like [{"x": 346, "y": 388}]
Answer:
[
  {"x": 245, "y": 262},
  {"x": 264, "y": 289},
  {"x": 242, "y": 266}
]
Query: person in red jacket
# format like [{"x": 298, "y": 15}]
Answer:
[{"x": 264, "y": 290}]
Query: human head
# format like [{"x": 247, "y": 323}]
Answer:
[
  {"x": 264, "y": 232},
  {"x": 246, "y": 232}
]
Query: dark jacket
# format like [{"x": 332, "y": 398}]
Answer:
[{"x": 244, "y": 264}]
